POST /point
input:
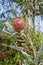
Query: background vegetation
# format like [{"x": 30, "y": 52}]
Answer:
[{"x": 26, "y": 47}]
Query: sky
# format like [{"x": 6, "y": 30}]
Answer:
[
  {"x": 39, "y": 19},
  {"x": 5, "y": 9}
]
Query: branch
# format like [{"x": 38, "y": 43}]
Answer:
[
  {"x": 31, "y": 43},
  {"x": 20, "y": 49},
  {"x": 40, "y": 52},
  {"x": 33, "y": 48}
]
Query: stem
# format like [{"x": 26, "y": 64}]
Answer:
[
  {"x": 19, "y": 63},
  {"x": 33, "y": 16}
]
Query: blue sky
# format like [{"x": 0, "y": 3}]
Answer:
[
  {"x": 6, "y": 6},
  {"x": 39, "y": 19}
]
